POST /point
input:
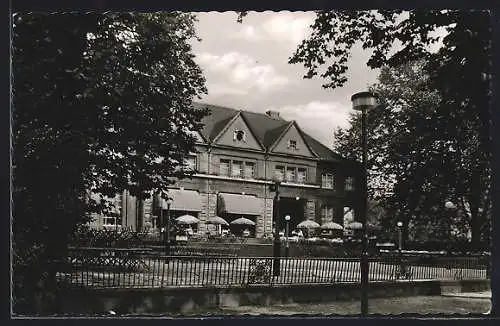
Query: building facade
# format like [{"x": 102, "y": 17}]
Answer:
[{"x": 238, "y": 156}]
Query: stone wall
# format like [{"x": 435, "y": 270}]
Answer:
[{"x": 189, "y": 300}]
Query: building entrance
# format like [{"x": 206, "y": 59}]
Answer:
[{"x": 293, "y": 207}]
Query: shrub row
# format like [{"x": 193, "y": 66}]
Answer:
[{"x": 86, "y": 237}]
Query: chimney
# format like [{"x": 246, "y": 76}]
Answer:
[{"x": 273, "y": 114}]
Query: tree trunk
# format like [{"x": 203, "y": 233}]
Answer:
[
  {"x": 406, "y": 231},
  {"x": 475, "y": 229},
  {"x": 475, "y": 218}
]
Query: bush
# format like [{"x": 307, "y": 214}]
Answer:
[
  {"x": 457, "y": 247},
  {"x": 87, "y": 237},
  {"x": 325, "y": 249}
]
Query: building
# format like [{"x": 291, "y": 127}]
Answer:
[{"x": 238, "y": 155}]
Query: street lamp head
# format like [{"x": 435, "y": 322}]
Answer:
[
  {"x": 277, "y": 179},
  {"x": 287, "y": 218},
  {"x": 363, "y": 100},
  {"x": 449, "y": 205},
  {"x": 400, "y": 224},
  {"x": 297, "y": 198}
]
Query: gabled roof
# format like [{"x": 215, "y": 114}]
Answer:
[
  {"x": 273, "y": 135},
  {"x": 227, "y": 124},
  {"x": 299, "y": 130},
  {"x": 267, "y": 130},
  {"x": 216, "y": 120},
  {"x": 321, "y": 150}
]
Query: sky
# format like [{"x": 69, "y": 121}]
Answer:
[{"x": 245, "y": 66}]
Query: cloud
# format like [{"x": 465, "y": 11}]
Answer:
[
  {"x": 289, "y": 27},
  {"x": 318, "y": 119},
  {"x": 240, "y": 73},
  {"x": 224, "y": 89},
  {"x": 279, "y": 27},
  {"x": 248, "y": 33}
]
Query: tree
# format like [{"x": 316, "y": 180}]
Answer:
[
  {"x": 101, "y": 103},
  {"x": 414, "y": 164},
  {"x": 460, "y": 76}
]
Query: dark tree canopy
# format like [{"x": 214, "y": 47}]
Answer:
[
  {"x": 459, "y": 72},
  {"x": 102, "y": 103},
  {"x": 414, "y": 166}
]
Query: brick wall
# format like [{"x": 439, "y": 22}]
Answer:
[
  {"x": 209, "y": 206},
  {"x": 311, "y": 210},
  {"x": 209, "y": 188},
  {"x": 314, "y": 198},
  {"x": 268, "y": 223}
]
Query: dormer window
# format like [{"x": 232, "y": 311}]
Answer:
[
  {"x": 239, "y": 135},
  {"x": 292, "y": 144}
]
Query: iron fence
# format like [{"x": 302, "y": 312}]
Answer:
[{"x": 113, "y": 268}]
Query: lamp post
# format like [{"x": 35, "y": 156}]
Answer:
[
  {"x": 364, "y": 101},
  {"x": 167, "y": 229},
  {"x": 276, "y": 243},
  {"x": 450, "y": 207},
  {"x": 287, "y": 244},
  {"x": 400, "y": 237}
]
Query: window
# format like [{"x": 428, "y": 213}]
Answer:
[
  {"x": 224, "y": 167},
  {"x": 326, "y": 214},
  {"x": 236, "y": 169},
  {"x": 290, "y": 174},
  {"x": 249, "y": 170},
  {"x": 279, "y": 172},
  {"x": 239, "y": 135},
  {"x": 154, "y": 222},
  {"x": 301, "y": 175},
  {"x": 190, "y": 163},
  {"x": 327, "y": 180},
  {"x": 108, "y": 220},
  {"x": 349, "y": 183},
  {"x": 113, "y": 213},
  {"x": 292, "y": 144}
]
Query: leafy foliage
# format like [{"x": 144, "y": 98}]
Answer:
[
  {"x": 87, "y": 237},
  {"x": 101, "y": 103},
  {"x": 414, "y": 166},
  {"x": 440, "y": 143},
  {"x": 394, "y": 37}
]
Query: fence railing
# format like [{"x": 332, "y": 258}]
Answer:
[{"x": 140, "y": 269}]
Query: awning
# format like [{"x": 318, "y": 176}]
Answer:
[
  {"x": 183, "y": 200},
  {"x": 239, "y": 204}
]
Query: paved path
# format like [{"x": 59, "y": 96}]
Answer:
[
  {"x": 405, "y": 306},
  {"x": 385, "y": 306},
  {"x": 474, "y": 295}
]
